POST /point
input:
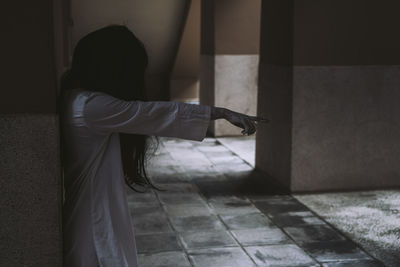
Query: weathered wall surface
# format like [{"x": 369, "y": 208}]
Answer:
[
  {"x": 341, "y": 123},
  {"x": 230, "y": 35},
  {"x": 30, "y": 182},
  {"x": 184, "y": 84},
  {"x": 27, "y": 60},
  {"x": 31, "y": 195}
]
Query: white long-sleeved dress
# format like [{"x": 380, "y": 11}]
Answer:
[{"x": 97, "y": 227}]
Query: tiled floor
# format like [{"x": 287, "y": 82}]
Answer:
[
  {"x": 216, "y": 211},
  {"x": 370, "y": 218}
]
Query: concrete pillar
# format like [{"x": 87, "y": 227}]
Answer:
[
  {"x": 31, "y": 187},
  {"x": 329, "y": 78},
  {"x": 229, "y": 57}
]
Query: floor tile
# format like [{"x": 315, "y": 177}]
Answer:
[
  {"x": 271, "y": 198},
  {"x": 226, "y": 160},
  {"x": 243, "y": 146},
  {"x": 152, "y": 243},
  {"x": 232, "y": 205},
  {"x": 206, "y": 174},
  {"x": 167, "y": 179},
  {"x": 186, "y": 210},
  {"x": 196, "y": 223},
  {"x": 164, "y": 259},
  {"x": 261, "y": 236},
  {"x": 239, "y": 175},
  {"x": 280, "y": 255},
  {"x": 233, "y": 167},
  {"x": 220, "y": 257},
  {"x": 207, "y": 239},
  {"x": 151, "y": 204},
  {"x": 139, "y": 211},
  {"x": 142, "y": 199},
  {"x": 180, "y": 149},
  {"x": 163, "y": 163},
  {"x": 356, "y": 263},
  {"x": 182, "y": 198},
  {"x": 334, "y": 251},
  {"x": 193, "y": 166},
  {"x": 277, "y": 207},
  {"x": 207, "y": 141},
  {"x": 174, "y": 142},
  {"x": 215, "y": 148},
  {"x": 151, "y": 223},
  {"x": 186, "y": 156},
  {"x": 177, "y": 188},
  {"x": 223, "y": 157},
  {"x": 247, "y": 221},
  {"x": 295, "y": 219},
  {"x": 235, "y": 185},
  {"x": 313, "y": 233},
  {"x": 167, "y": 168}
]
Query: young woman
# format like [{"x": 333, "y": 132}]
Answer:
[{"x": 106, "y": 121}]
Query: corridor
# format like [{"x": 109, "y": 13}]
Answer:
[{"x": 217, "y": 211}]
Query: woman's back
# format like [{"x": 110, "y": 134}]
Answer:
[{"x": 97, "y": 224}]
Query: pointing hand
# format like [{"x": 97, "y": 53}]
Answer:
[{"x": 246, "y": 122}]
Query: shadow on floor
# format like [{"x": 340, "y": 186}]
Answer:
[{"x": 249, "y": 183}]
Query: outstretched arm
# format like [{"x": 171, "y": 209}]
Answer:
[
  {"x": 104, "y": 114},
  {"x": 247, "y": 123}
]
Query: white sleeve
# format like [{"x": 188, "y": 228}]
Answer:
[{"x": 104, "y": 113}]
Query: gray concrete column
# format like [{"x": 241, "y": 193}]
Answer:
[
  {"x": 329, "y": 78},
  {"x": 229, "y": 57},
  {"x": 30, "y": 182}
]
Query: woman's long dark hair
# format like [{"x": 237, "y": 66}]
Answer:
[{"x": 113, "y": 61}]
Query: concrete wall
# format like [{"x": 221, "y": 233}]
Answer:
[
  {"x": 229, "y": 58},
  {"x": 184, "y": 85},
  {"x": 332, "y": 97},
  {"x": 237, "y": 27},
  {"x": 356, "y": 32},
  {"x": 235, "y": 88},
  {"x": 26, "y": 63},
  {"x": 31, "y": 192},
  {"x": 157, "y": 23},
  {"x": 30, "y": 185},
  {"x": 346, "y": 127}
]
